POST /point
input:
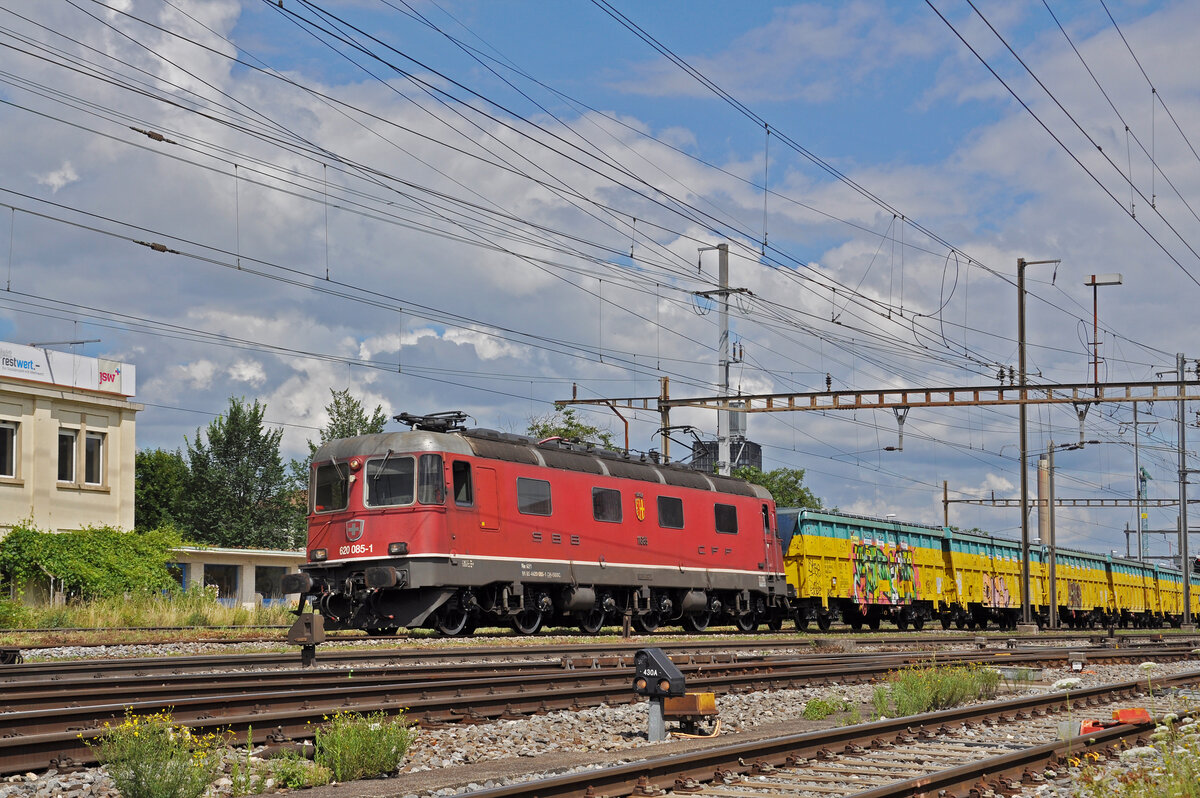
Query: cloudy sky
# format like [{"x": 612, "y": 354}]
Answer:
[{"x": 479, "y": 205}]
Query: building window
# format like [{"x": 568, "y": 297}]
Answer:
[
  {"x": 8, "y": 449},
  {"x": 66, "y": 455},
  {"x": 225, "y": 579},
  {"x": 726, "y": 518},
  {"x": 533, "y": 496},
  {"x": 93, "y": 458},
  {"x": 606, "y": 504},
  {"x": 670, "y": 512},
  {"x": 268, "y": 583}
]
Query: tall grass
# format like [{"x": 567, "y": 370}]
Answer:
[
  {"x": 917, "y": 689},
  {"x": 140, "y": 610}
]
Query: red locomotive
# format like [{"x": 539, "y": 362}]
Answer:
[{"x": 450, "y": 528}]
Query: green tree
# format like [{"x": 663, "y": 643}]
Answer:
[
  {"x": 160, "y": 483},
  {"x": 786, "y": 485},
  {"x": 239, "y": 493},
  {"x": 563, "y": 423},
  {"x": 347, "y": 418}
]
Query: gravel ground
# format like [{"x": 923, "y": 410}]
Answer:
[{"x": 446, "y": 761}]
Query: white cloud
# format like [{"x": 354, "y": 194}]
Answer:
[{"x": 64, "y": 176}]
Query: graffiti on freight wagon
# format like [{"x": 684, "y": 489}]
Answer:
[
  {"x": 882, "y": 576},
  {"x": 996, "y": 592}
]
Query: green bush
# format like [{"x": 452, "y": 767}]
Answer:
[
  {"x": 290, "y": 770},
  {"x": 12, "y": 614},
  {"x": 918, "y": 689},
  {"x": 92, "y": 562},
  {"x": 818, "y": 708},
  {"x": 354, "y": 746},
  {"x": 148, "y": 756}
]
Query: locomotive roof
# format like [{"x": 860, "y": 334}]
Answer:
[{"x": 553, "y": 453}]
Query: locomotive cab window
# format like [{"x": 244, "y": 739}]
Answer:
[
  {"x": 670, "y": 512},
  {"x": 726, "y": 518},
  {"x": 606, "y": 504},
  {"x": 533, "y": 496},
  {"x": 432, "y": 480},
  {"x": 461, "y": 473},
  {"x": 389, "y": 481},
  {"x": 330, "y": 487}
]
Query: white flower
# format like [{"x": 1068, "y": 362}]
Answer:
[
  {"x": 1141, "y": 752},
  {"x": 1066, "y": 684},
  {"x": 1147, "y": 666}
]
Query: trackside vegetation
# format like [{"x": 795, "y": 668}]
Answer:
[
  {"x": 152, "y": 756},
  {"x": 917, "y": 689}
]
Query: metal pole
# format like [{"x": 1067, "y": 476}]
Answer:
[
  {"x": 664, "y": 415},
  {"x": 1096, "y": 335},
  {"x": 1137, "y": 477},
  {"x": 1026, "y": 616},
  {"x": 724, "y": 466},
  {"x": 1050, "y": 542},
  {"x": 1185, "y": 564}
]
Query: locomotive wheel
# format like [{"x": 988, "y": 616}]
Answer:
[
  {"x": 648, "y": 623},
  {"x": 747, "y": 622},
  {"x": 592, "y": 621},
  {"x": 697, "y": 622},
  {"x": 824, "y": 621},
  {"x": 454, "y": 622},
  {"x": 527, "y": 622}
]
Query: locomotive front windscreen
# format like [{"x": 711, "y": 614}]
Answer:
[
  {"x": 331, "y": 487},
  {"x": 390, "y": 481}
]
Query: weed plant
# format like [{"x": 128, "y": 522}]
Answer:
[
  {"x": 919, "y": 689},
  {"x": 818, "y": 708},
  {"x": 1167, "y": 768},
  {"x": 148, "y": 756},
  {"x": 354, "y": 746}
]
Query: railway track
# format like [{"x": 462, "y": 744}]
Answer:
[
  {"x": 52, "y": 718},
  {"x": 998, "y": 748}
]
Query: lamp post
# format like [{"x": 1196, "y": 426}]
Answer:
[
  {"x": 1026, "y": 615},
  {"x": 1095, "y": 281}
]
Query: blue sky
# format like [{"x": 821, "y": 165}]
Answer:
[{"x": 477, "y": 249}]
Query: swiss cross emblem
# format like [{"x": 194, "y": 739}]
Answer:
[
  {"x": 354, "y": 529},
  {"x": 639, "y": 507}
]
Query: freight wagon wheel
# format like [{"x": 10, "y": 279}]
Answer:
[
  {"x": 697, "y": 622},
  {"x": 747, "y": 622},
  {"x": 592, "y": 621},
  {"x": 824, "y": 621},
  {"x": 902, "y": 623},
  {"x": 801, "y": 623},
  {"x": 919, "y": 623},
  {"x": 873, "y": 623},
  {"x": 648, "y": 623},
  {"x": 946, "y": 620},
  {"x": 775, "y": 623},
  {"x": 527, "y": 622}
]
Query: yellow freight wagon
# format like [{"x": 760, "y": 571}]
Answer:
[{"x": 863, "y": 571}]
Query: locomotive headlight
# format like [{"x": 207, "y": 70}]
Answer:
[
  {"x": 399, "y": 547},
  {"x": 319, "y": 554}
]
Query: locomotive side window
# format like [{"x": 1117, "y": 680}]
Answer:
[
  {"x": 330, "y": 487},
  {"x": 533, "y": 496},
  {"x": 606, "y": 504},
  {"x": 432, "y": 480},
  {"x": 670, "y": 512},
  {"x": 726, "y": 517},
  {"x": 389, "y": 481},
  {"x": 461, "y": 471}
]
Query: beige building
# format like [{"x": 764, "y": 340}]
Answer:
[{"x": 66, "y": 440}]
